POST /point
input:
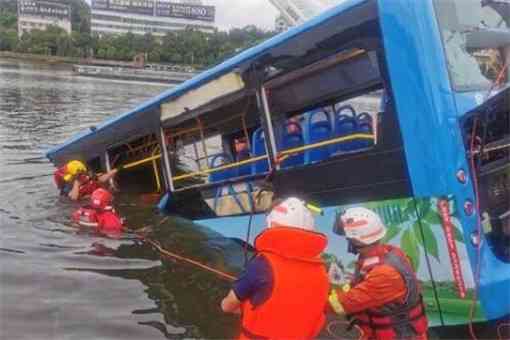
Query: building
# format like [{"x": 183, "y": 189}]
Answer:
[
  {"x": 35, "y": 14},
  {"x": 150, "y": 16}
]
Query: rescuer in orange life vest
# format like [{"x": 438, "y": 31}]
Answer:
[
  {"x": 74, "y": 181},
  {"x": 99, "y": 214},
  {"x": 384, "y": 299},
  {"x": 283, "y": 292}
]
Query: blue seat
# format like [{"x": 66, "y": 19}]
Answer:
[
  {"x": 218, "y": 161},
  {"x": 345, "y": 126},
  {"x": 290, "y": 140},
  {"x": 319, "y": 131},
  {"x": 258, "y": 146},
  {"x": 364, "y": 125},
  {"x": 346, "y": 110}
]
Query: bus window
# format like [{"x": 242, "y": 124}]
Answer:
[
  {"x": 476, "y": 38},
  {"x": 317, "y": 135}
]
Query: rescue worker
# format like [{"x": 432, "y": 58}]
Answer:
[
  {"x": 74, "y": 181},
  {"x": 283, "y": 292},
  {"x": 384, "y": 298},
  {"x": 99, "y": 213}
]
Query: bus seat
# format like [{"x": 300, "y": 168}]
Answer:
[
  {"x": 258, "y": 146},
  {"x": 345, "y": 110},
  {"x": 344, "y": 126},
  {"x": 364, "y": 122},
  {"x": 319, "y": 130},
  {"x": 218, "y": 161},
  {"x": 292, "y": 137}
]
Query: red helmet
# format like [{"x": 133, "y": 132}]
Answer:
[{"x": 101, "y": 199}]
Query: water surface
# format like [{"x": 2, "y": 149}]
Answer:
[{"x": 58, "y": 282}]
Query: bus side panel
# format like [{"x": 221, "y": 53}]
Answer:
[
  {"x": 433, "y": 141},
  {"x": 422, "y": 239}
]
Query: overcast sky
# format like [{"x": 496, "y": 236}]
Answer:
[{"x": 239, "y": 13}]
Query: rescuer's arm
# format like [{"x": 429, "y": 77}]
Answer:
[
  {"x": 74, "y": 194},
  {"x": 231, "y": 303},
  {"x": 107, "y": 176},
  {"x": 382, "y": 285},
  {"x": 254, "y": 285}
]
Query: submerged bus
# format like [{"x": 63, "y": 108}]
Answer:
[{"x": 401, "y": 106}]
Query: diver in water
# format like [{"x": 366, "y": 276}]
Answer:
[
  {"x": 283, "y": 292},
  {"x": 74, "y": 181},
  {"x": 99, "y": 214}
]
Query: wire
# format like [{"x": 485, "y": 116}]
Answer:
[
  {"x": 478, "y": 230},
  {"x": 497, "y": 81},
  {"x": 248, "y": 235},
  {"x": 195, "y": 263}
]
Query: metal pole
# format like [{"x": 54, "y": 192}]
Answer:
[
  {"x": 166, "y": 160},
  {"x": 266, "y": 115},
  {"x": 108, "y": 166}
]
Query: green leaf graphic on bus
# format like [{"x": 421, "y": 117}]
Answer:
[{"x": 414, "y": 224}]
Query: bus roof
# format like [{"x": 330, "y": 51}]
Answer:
[{"x": 145, "y": 118}]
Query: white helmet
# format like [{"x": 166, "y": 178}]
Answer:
[
  {"x": 292, "y": 212},
  {"x": 362, "y": 225}
]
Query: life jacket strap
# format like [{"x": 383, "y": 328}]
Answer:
[{"x": 377, "y": 321}]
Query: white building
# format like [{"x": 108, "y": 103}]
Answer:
[
  {"x": 155, "y": 16},
  {"x": 35, "y": 14}
]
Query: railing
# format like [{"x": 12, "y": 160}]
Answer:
[{"x": 288, "y": 152}]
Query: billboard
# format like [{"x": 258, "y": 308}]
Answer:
[
  {"x": 44, "y": 9},
  {"x": 157, "y": 8}
]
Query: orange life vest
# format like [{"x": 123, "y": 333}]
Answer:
[
  {"x": 105, "y": 220},
  {"x": 399, "y": 319},
  {"x": 295, "y": 309}
]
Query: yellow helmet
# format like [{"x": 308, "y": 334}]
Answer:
[{"x": 74, "y": 168}]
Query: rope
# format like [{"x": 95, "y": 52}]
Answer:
[
  {"x": 331, "y": 332},
  {"x": 478, "y": 231},
  {"x": 169, "y": 254}
]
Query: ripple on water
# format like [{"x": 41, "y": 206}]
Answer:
[{"x": 55, "y": 282}]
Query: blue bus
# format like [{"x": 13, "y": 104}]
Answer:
[{"x": 401, "y": 106}]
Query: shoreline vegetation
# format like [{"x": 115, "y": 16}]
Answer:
[
  {"x": 38, "y": 58},
  {"x": 188, "y": 47}
]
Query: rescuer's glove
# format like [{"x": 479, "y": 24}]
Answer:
[{"x": 334, "y": 300}]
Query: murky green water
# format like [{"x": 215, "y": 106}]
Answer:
[{"x": 57, "y": 282}]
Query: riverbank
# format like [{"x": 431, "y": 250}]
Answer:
[{"x": 36, "y": 58}]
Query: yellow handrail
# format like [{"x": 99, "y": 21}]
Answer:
[
  {"x": 283, "y": 153},
  {"x": 326, "y": 143},
  {"x": 220, "y": 168},
  {"x": 140, "y": 162},
  {"x": 288, "y": 152},
  {"x": 156, "y": 171}
]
